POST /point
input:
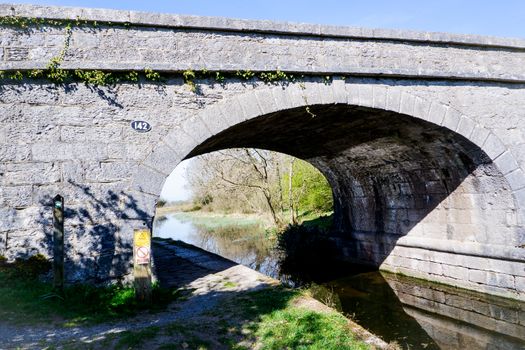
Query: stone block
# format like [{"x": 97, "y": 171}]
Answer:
[
  {"x": 506, "y": 163},
  {"x": 437, "y": 113},
  {"x": 407, "y": 104},
  {"x": 503, "y": 313},
  {"x": 326, "y": 93},
  {"x": 421, "y": 108},
  {"x": 516, "y": 179},
  {"x": 19, "y": 219},
  {"x": 265, "y": 100},
  {"x": 479, "y": 135},
  {"x": 163, "y": 158},
  {"x": 180, "y": 142},
  {"x": 13, "y": 152},
  {"x": 451, "y": 120},
  {"x": 493, "y": 146},
  {"x": 29, "y": 173},
  {"x": 521, "y": 316},
  {"x": 520, "y": 287},
  {"x": 477, "y": 276},
  {"x": 74, "y": 134},
  {"x": 16, "y": 197},
  {"x": 366, "y": 95},
  {"x": 49, "y": 152},
  {"x": 465, "y": 127},
  {"x": 456, "y": 272},
  {"x": 339, "y": 91},
  {"x": 311, "y": 94},
  {"x": 110, "y": 171},
  {"x": 281, "y": 97},
  {"x": 393, "y": 101},
  {"x": 148, "y": 180}
]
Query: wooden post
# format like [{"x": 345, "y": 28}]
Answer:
[
  {"x": 58, "y": 243},
  {"x": 142, "y": 265}
]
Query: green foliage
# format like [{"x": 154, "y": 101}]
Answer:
[
  {"x": 16, "y": 75},
  {"x": 152, "y": 75},
  {"x": 26, "y": 299},
  {"x": 245, "y": 74},
  {"x": 26, "y": 22},
  {"x": 272, "y": 77},
  {"x": 278, "y": 324},
  {"x": 94, "y": 77},
  {"x": 57, "y": 75},
  {"x": 189, "y": 77},
  {"x": 131, "y": 76},
  {"x": 135, "y": 339},
  {"x": 35, "y": 73},
  {"x": 305, "y": 329},
  {"x": 29, "y": 268},
  {"x": 219, "y": 78},
  {"x": 310, "y": 190}
]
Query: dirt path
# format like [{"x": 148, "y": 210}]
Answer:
[{"x": 214, "y": 282}]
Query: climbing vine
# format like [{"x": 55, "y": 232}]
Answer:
[{"x": 58, "y": 75}]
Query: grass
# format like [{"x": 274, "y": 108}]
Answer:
[
  {"x": 277, "y": 324},
  {"x": 229, "y": 284},
  {"x": 25, "y": 299},
  {"x": 135, "y": 340},
  {"x": 305, "y": 329},
  {"x": 265, "y": 319},
  {"x": 215, "y": 220}
]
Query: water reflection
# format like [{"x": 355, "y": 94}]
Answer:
[
  {"x": 410, "y": 312},
  {"x": 460, "y": 319},
  {"x": 424, "y": 315},
  {"x": 246, "y": 243}
]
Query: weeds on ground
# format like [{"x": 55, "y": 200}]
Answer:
[{"x": 26, "y": 299}]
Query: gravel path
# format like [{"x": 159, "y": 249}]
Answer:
[
  {"x": 212, "y": 280},
  {"x": 177, "y": 266}
]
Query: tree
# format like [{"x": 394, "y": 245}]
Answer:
[{"x": 252, "y": 181}]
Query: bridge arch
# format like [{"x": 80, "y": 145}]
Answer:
[
  {"x": 193, "y": 131},
  {"x": 406, "y": 250}
]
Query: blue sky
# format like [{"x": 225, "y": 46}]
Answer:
[{"x": 485, "y": 17}]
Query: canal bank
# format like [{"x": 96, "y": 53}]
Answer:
[
  {"x": 222, "y": 305},
  {"x": 177, "y": 263},
  {"x": 415, "y": 314}
]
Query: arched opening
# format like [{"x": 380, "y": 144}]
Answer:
[
  {"x": 238, "y": 203},
  {"x": 418, "y": 188},
  {"x": 393, "y": 176}
]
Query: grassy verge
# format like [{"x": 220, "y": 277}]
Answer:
[
  {"x": 27, "y": 300},
  {"x": 267, "y": 320},
  {"x": 277, "y": 324}
]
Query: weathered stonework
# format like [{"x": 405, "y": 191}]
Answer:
[{"x": 420, "y": 135}]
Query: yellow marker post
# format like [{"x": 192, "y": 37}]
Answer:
[{"x": 142, "y": 264}]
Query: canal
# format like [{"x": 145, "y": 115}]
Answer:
[{"x": 413, "y": 313}]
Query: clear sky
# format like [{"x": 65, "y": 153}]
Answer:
[{"x": 485, "y": 17}]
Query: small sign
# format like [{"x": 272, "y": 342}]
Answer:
[
  {"x": 142, "y": 247},
  {"x": 140, "y": 126}
]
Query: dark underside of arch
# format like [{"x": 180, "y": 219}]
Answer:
[{"x": 388, "y": 171}]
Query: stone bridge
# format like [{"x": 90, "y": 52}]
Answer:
[{"x": 421, "y": 135}]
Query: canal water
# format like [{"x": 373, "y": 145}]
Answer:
[{"x": 412, "y": 313}]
